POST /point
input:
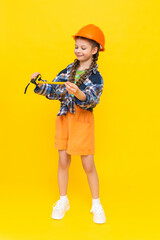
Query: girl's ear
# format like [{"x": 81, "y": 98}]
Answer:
[{"x": 94, "y": 50}]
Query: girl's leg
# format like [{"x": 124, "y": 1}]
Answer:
[
  {"x": 90, "y": 169},
  {"x": 63, "y": 167}
]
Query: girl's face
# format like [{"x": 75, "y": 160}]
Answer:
[{"x": 84, "y": 50}]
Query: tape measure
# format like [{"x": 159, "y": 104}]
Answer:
[{"x": 38, "y": 80}]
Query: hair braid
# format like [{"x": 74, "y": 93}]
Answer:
[
  {"x": 72, "y": 75},
  {"x": 73, "y": 70}
]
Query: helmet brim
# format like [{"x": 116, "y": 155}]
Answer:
[{"x": 102, "y": 49}]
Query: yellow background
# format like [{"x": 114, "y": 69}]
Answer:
[{"x": 35, "y": 36}]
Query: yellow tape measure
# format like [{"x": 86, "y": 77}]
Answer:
[
  {"x": 41, "y": 82},
  {"x": 38, "y": 80}
]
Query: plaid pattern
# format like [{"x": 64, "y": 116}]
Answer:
[{"x": 92, "y": 87}]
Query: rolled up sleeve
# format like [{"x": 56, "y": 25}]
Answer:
[
  {"x": 44, "y": 90},
  {"x": 48, "y": 90},
  {"x": 93, "y": 94}
]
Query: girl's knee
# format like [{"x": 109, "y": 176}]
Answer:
[
  {"x": 64, "y": 160},
  {"x": 88, "y": 168},
  {"x": 88, "y": 163}
]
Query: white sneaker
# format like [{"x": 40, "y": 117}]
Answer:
[
  {"x": 98, "y": 213},
  {"x": 59, "y": 209}
]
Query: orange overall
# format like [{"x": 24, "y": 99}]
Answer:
[{"x": 75, "y": 132}]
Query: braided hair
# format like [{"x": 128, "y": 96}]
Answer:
[{"x": 87, "y": 71}]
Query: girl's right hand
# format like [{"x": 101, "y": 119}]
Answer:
[{"x": 34, "y": 75}]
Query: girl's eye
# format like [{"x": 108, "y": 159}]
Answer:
[{"x": 82, "y": 48}]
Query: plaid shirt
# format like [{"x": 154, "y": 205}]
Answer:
[{"x": 92, "y": 87}]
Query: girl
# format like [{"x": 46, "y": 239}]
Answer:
[{"x": 80, "y": 93}]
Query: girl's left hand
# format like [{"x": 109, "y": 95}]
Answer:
[{"x": 72, "y": 88}]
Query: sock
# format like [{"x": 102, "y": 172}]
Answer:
[
  {"x": 63, "y": 197},
  {"x": 95, "y": 201}
]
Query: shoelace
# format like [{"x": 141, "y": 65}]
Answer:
[
  {"x": 58, "y": 204},
  {"x": 98, "y": 209}
]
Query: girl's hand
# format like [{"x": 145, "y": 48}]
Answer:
[
  {"x": 72, "y": 88},
  {"x": 34, "y": 75}
]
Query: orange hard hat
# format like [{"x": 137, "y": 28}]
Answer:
[{"x": 92, "y": 32}]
